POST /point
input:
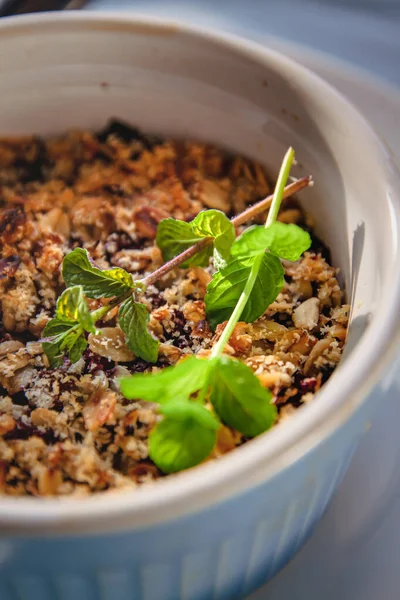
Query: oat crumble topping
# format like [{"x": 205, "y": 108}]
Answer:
[{"x": 69, "y": 431}]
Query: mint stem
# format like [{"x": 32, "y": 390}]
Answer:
[
  {"x": 272, "y": 215},
  {"x": 245, "y": 216},
  {"x": 280, "y": 186},
  {"x": 235, "y": 316}
]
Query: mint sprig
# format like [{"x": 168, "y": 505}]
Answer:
[
  {"x": 255, "y": 259},
  {"x": 242, "y": 289}
]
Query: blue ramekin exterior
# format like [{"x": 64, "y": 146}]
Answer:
[{"x": 223, "y": 552}]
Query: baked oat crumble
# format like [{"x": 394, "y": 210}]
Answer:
[{"x": 69, "y": 431}]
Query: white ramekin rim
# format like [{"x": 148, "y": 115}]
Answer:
[{"x": 259, "y": 460}]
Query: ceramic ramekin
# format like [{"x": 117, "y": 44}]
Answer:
[{"x": 220, "y": 530}]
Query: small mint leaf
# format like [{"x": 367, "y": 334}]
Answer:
[
  {"x": 184, "y": 438},
  {"x": 215, "y": 224},
  {"x": 71, "y": 308},
  {"x": 61, "y": 338},
  {"x": 172, "y": 383},
  {"x": 78, "y": 269},
  {"x": 288, "y": 241},
  {"x": 282, "y": 240},
  {"x": 239, "y": 398},
  {"x": 74, "y": 344},
  {"x": 251, "y": 242},
  {"x": 226, "y": 287},
  {"x": 133, "y": 318},
  {"x": 174, "y": 236},
  {"x": 65, "y": 333}
]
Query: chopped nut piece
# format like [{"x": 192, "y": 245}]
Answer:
[
  {"x": 275, "y": 379},
  {"x": 7, "y": 424},
  {"x": 49, "y": 481},
  {"x": 99, "y": 409},
  {"x": 318, "y": 349},
  {"x": 10, "y": 347},
  {"x": 111, "y": 343},
  {"x": 306, "y": 315},
  {"x": 55, "y": 221},
  {"x": 227, "y": 440},
  {"x": 213, "y": 195},
  {"x": 291, "y": 215},
  {"x": 172, "y": 353},
  {"x": 193, "y": 311}
]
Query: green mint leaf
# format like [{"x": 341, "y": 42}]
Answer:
[
  {"x": 226, "y": 286},
  {"x": 74, "y": 344},
  {"x": 60, "y": 338},
  {"x": 215, "y": 224},
  {"x": 65, "y": 333},
  {"x": 133, "y": 318},
  {"x": 78, "y": 269},
  {"x": 239, "y": 398},
  {"x": 52, "y": 336},
  {"x": 174, "y": 236},
  {"x": 252, "y": 241},
  {"x": 184, "y": 438},
  {"x": 286, "y": 241},
  {"x": 55, "y": 328},
  {"x": 71, "y": 308},
  {"x": 173, "y": 383}
]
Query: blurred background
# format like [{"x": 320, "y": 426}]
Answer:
[{"x": 365, "y": 33}]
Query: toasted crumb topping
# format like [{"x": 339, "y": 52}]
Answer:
[{"x": 69, "y": 431}]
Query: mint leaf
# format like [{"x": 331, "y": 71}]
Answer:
[
  {"x": 74, "y": 344},
  {"x": 133, "y": 318},
  {"x": 215, "y": 224},
  {"x": 55, "y": 327},
  {"x": 173, "y": 383},
  {"x": 174, "y": 236},
  {"x": 79, "y": 269},
  {"x": 239, "y": 398},
  {"x": 53, "y": 334},
  {"x": 60, "y": 338},
  {"x": 71, "y": 308},
  {"x": 226, "y": 286},
  {"x": 251, "y": 242},
  {"x": 184, "y": 438},
  {"x": 286, "y": 241},
  {"x": 65, "y": 333}
]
